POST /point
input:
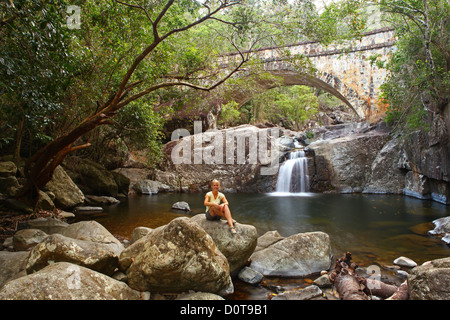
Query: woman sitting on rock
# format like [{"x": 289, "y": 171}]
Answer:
[{"x": 214, "y": 209}]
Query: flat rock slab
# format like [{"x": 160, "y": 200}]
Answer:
[{"x": 295, "y": 256}]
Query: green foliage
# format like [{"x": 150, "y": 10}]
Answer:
[
  {"x": 35, "y": 68},
  {"x": 230, "y": 114},
  {"x": 292, "y": 106},
  {"x": 328, "y": 101},
  {"x": 336, "y": 22},
  {"x": 418, "y": 81},
  {"x": 140, "y": 127},
  {"x": 52, "y": 78}
]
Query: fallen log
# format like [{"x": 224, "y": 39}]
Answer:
[
  {"x": 351, "y": 286},
  {"x": 346, "y": 281},
  {"x": 378, "y": 288},
  {"x": 402, "y": 292}
]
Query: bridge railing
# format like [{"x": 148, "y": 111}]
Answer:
[{"x": 376, "y": 39}]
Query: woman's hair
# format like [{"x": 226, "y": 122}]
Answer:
[{"x": 214, "y": 181}]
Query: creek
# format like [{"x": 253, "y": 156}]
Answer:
[{"x": 374, "y": 228}]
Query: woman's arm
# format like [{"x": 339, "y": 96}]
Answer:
[
  {"x": 209, "y": 204},
  {"x": 225, "y": 201}
]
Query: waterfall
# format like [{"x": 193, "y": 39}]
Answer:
[{"x": 293, "y": 174}]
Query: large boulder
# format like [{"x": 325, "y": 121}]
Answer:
[
  {"x": 94, "y": 232},
  {"x": 67, "y": 194},
  {"x": 243, "y": 158},
  {"x": 85, "y": 243},
  {"x": 66, "y": 281},
  {"x": 178, "y": 257},
  {"x": 91, "y": 177},
  {"x": 13, "y": 265},
  {"x": 387, "y": 172},
  {"x": 58, "y": 248},
  {"x": 149, "y": 187},
  {"x": 138, "y": 240},
  {"x": 295, "y": 256},
  {"x": 128, "y": 255},
  {"x": 268, "y": 239},
  {"x": 47, "y": 225},
  {"x": 138, "y": 233},
  {"x": 26, "y": 239},
  {"x": 237, "y": 248},
  {"x": 430, "y": 281},
  {"x": 344, "y": 164},
  {"x": 7, "y": 169}
]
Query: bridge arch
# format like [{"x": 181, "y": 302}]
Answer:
[
  {"x": 327, "y": 82},
  {"x": 346, "y": 72}
]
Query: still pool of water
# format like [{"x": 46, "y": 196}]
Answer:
[{"x": 374, "y": 228}]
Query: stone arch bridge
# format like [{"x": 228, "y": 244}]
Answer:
[{"x": 345, "y": 72}]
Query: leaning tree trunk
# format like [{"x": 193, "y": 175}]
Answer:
[{"x": 39, "y": 168}]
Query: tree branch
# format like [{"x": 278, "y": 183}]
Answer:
[
  {"x": 181, "y": 83},
  {"x": 137, "y": 7},
  {"x": 156, "y": 41},
  {"x": 204, "y": 18},
  {"x": 163, "y": 13},
  {"x": 9, "y": 20}
]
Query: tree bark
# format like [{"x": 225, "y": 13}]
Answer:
[
  {"x": 19, "y": 139},
  {"x": 402, "y": 292},
  {"x": 39, "y": 168},
  {"x": 351, "y": 286},
  {"x": 346, "y": 281},
  {"x": 378, "y": 288}
]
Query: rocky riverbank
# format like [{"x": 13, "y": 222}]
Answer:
[
  {"x": 371, "y": 160},
  {"x": 349, "y": 158},
  {"x": 188, "y": 254},
  {"x": 189, "y": 258},
  {"x": 345, "y": 158}
]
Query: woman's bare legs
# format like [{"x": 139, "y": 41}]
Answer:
[{"x": 222, "y": 211}]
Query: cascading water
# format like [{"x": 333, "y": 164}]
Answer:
[{"x": 293, "y": 174}]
